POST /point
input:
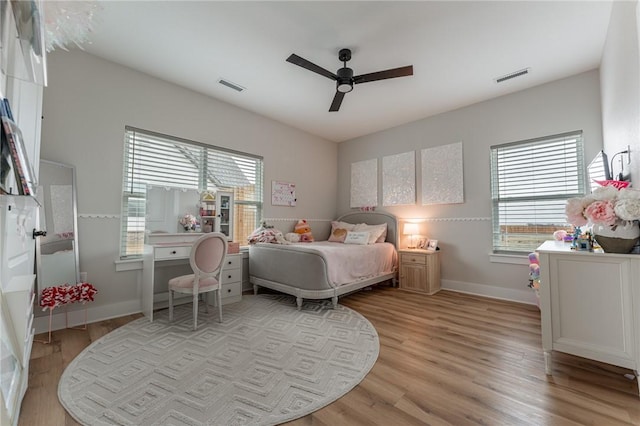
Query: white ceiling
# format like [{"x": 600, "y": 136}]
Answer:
[{"x": 457, "y": 49}]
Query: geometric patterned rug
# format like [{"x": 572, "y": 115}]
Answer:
[{"x": 267, "y": 363}]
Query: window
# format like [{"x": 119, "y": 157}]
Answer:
[
  {"x": 155, "y": 159},
  {"x": 530, "y": 183}
]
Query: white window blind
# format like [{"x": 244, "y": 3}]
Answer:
[
  {"x": 160, "y": 160},
  {"x": 530, "y": 183}
]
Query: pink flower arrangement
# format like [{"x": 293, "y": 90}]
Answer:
[
  {"x": 605, "y": 206},
  {"x": 188, "y": 221}
]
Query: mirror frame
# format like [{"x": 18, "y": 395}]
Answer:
[{"x": 76, "y": 256}]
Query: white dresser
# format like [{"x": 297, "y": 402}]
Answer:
[
  {"x": 175, "y": 252},
  {"x": 590, "y": 304}
]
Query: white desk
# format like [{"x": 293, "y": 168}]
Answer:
[{"x": 176, "y": 252}]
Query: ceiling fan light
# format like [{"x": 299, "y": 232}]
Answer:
[{"x": 345, "y": 87}]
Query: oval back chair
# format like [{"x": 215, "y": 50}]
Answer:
[{"x": 207, "y": 258}]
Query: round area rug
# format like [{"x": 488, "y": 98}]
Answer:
[{"x": 267, "y": 363}]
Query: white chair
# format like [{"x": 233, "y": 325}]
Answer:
[{"x": 206, "y": 259}]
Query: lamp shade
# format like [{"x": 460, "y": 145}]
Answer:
[{"x": 411, "y": 229}]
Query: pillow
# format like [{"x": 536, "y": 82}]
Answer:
[
  {"x": 377, "y": 233},
  {"x": 339, "y": 231},
  {"x": 357, "y": 238},
  {"x": 303, "y": 228}
]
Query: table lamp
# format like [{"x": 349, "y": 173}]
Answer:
[{"x": 411, "y": 229}]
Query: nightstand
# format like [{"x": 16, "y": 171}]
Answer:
[{"x": 420, "y": 271}]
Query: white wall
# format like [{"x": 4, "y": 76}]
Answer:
[
  {"x": 620, "y": 85},
  {"x": 87, "y": 104},
  {"x": 463, "y": 230}
]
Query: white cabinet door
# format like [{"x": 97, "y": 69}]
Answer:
[
  {"x": 592, "y": 308},
  {"x": 224, "y": 207}
]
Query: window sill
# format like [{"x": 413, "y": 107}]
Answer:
[
  {"x": 128, "y": 265},
  {"x": 514, "y": 259}
]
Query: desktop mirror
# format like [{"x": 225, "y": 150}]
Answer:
[{"x": 57, "y": 252}]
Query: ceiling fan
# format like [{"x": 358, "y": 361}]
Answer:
[{"x": 344, "y": 76}]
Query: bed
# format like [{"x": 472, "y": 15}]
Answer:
[{"x": 302, "y": 270}]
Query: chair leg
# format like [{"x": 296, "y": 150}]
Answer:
[
  {"x": 170, "y": 305},
  {"x": 195, "y": 311},
  {"x": 220, "y": 304},
  {"x": 205, "y": 300}
]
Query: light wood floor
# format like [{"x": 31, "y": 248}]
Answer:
[{"x": 447, "y": 359}]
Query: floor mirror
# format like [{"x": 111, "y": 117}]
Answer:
[{"x": 57, "y": 251}]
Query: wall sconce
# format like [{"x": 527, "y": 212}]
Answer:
[{"x": 411, "y": 229}]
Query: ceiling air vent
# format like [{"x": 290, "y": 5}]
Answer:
[
  {"x": 231, "y": 85},
  {"x": 513, "y": 75}
]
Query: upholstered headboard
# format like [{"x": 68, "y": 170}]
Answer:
[{"x": 375, "y": 218}]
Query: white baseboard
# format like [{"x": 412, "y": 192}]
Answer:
[
  {"x": 115, "y": 310},
  {"x": 77, "y": 317},
  {"x": 522, "y": 296}
]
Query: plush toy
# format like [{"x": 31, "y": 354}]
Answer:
[
  {"x": 304, "y": 230},
  {"x": 560, "y": 235},
  {"x": 292, "y": 237}
]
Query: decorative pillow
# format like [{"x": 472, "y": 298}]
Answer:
[
  {"x": 303, "y": 228},
  {"x": 339, "y": 231},
  {"x": 357, "y": 238},
  {"x": 377, "y": 233}
]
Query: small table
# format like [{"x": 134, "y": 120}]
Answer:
[{"x": 420, "y": 270}]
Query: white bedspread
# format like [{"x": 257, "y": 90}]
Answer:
[{"x": 347, "y": 263}]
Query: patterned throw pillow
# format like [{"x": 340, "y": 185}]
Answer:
[{"x": 339, "y": 231}]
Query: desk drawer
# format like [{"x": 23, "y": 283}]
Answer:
[
  {"x": 232, "y": 262},
  {"x": 414, "y": 258},
  {"x": 231, "y": 290},
  {"x": 163, "y": 253},
  {"x": 231, "y": 276}
]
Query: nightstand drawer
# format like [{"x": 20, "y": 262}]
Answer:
[{"x": 413, "y": 258}]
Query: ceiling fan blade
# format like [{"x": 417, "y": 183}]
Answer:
[
  {"x": 301, "y": 62},
  {"x": 337, "y": 100},
  {"x": 383, "y": 75}
]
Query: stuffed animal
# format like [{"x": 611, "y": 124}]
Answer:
[
  {"x": 304, "y": 230},
  {"x": 292, "y": 237}
]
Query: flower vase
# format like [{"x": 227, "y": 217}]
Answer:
[{"x": 617, "y": 239}]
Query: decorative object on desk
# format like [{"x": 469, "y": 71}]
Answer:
[
  {"x": 189, "y": 222},
  {"x": 208, "y": 203},
  {"x": 432, "y": 245},
  {"x": 411, "y": 229},
  {"x": 266, "y": 364},
  {"x": 560, "y": 235},
  {"x": 619, "y": 184},
  {"x": 233, "y": 248},
  {"x": 620, "y": 239},
  {"x": 422, "y": 243},
  {"x": 614, "y": 215}
]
